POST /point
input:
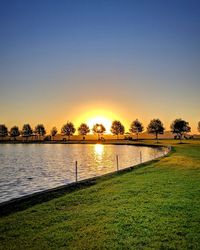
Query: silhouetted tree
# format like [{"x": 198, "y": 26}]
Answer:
[
  {"x": 40, "y": 130},
  {"x": 26, "y": 131},
  {"x": 14, "y": 132},
  {"x": 3, "y": 131},
  {"x": 68, "y": 129},
  {"x": 98, "y": 129},
  {"x": 83, "y": 129},
  {"x": 136, "y": 127},
  {"x": 180, "y": 127},
  {"x": 155, "y": 127},
  {"x": 198, "y": 128},
  {"x": 54, "y": 131},
  {"x": 117, "y": 128}
]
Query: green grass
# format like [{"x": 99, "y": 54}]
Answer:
[{"x": 153, "y": 207}]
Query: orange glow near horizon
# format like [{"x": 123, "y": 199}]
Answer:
[
  {"x": 101, "y": 120},
  {"x": 104, "y": 117}
]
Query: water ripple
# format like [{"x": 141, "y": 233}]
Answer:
[{"x": 25, "y": 169}]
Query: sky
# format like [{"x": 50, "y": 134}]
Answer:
[{"x": 75, "y": 60}]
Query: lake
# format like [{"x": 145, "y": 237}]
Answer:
[{"x": 29, "y": 168}]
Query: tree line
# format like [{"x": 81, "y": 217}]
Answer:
[{"x": 156, "y": 127}]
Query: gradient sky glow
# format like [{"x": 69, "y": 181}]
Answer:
[{"x": 68, "y": 59}]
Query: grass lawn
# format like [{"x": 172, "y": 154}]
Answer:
[{"x": 153, "y": 207}]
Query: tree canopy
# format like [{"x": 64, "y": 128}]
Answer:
[
  {"x": 40, "y": 130},
  {"x": 98, "y": 129},
  {"x": 155, "y": 127},
  {"x": 136, "y": 127},
  {"x": 68, "y": 129},
  {"x": 26, "y": 130},
  {"x": 83, "y": 129},
  {"x": 117, "y": 128},
  {"x": 179, "y": 127},
  {"x": 3, "y": 130},
  {"x": 14, "y": 132},
  {"x": 54, "y": 131}
]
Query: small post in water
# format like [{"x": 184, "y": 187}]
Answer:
[
  {"x": 76, "y": 170},
  {"x": 117, "y": 160},
  {"x": 140, "y": 157}
]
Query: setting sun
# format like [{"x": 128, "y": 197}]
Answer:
[
  {"x": 100, "y": 116},
  {"x": 100, "y": 120}
]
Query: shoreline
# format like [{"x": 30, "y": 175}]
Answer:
[
  {"x": 152, "y": 204},
  {"x": 106, "y": 142},
  {"x": 24, "y": 202}
]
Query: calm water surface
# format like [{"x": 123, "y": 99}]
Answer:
[{"x": 25, "y": 169}]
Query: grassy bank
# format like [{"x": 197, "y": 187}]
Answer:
[{"x": 154, "y": 207}]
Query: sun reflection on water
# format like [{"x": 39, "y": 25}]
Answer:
[
  {"x": 99, "y": 148},
  {"x": 99, "y": 154}
]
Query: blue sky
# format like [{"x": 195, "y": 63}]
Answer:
[{"x": 140, "y": 59}]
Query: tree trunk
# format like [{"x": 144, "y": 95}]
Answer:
[
  {"x": 157, "y": 137},
  {"x": 180, "y": 137}
]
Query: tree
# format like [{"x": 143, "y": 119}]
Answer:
[
  {"x": 117, "y": 128},
  {"x": 155, "y": 127},
  {"x": 3, "y": 131},
  {"x": 98, "y": 129},
  {"x": 40, "y": 130},
  {"x": 27, "y": 131},
  {"x": 68, "y": 129},
  {"x": 14, "y": 132},
  {"x": 180, "y": 127},
  {"x": 83, "y": 129},
  {"x": 54, "y": 131},
  {"x": 136, "y": 127},
  {"x": 198, "y": 128}
]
